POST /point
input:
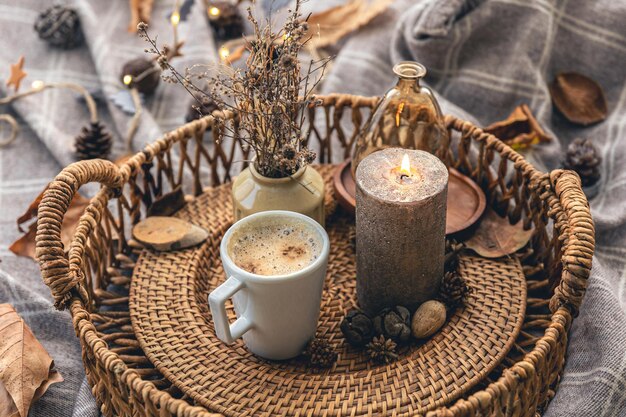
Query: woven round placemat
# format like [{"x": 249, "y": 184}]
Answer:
[{"x": 171, "y": 319}]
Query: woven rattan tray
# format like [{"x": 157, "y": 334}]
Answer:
[
  {"x": 168, "y": 306},
  {"x": 92, "y": 276}
]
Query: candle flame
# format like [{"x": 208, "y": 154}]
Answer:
[{"x": 405, "y": 168}]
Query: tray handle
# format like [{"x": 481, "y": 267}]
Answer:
[
  {"x": 64, "y": 280},
  {"x": 579, "y": 247}
]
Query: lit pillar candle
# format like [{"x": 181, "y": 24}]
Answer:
[{"x": 401, "y": 200}]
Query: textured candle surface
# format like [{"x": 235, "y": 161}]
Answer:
[
  {"x": 379, "y": 176},
  {"x": 400, "y": 229}
]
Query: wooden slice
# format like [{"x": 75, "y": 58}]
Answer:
[
  {"x": 466, "y": 201},
  {"x": 345, "y": 187},
  {"x": 168, "y": 233}
]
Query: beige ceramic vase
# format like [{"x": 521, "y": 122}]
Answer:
[{"x": 303, "y": 193}]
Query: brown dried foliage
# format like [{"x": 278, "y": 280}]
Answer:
[
  {"x": 519, "y": 130},
  {"x": 270, "y": 94},
  {"x": 25, "y": 366},
  {"x": 579, "y": 98},
  {"x": 140, "y": 11},
  {"x": 496, "y": 236},
  {"x": 25, "y": 245},
  {"x": 330, "y": 26}
]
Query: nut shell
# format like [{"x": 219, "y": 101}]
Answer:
[
  {"x": 357, "y": 328},
  {"x": 579, "y": 98},
  {"x": 428, "y": 319},
  {"x": 394, "y": 323}
]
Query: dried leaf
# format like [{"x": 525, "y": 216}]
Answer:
[
  {"x": 496, "y": 237},
  {"x": 31, "y": 211},
  {"x": 7, "y": 406},
  {"x": 140, "y": 11},
  {"x": 25, "y": 246},
  {"x": 168, "y": 233},
  {"x": 520, "y": 130},
  {"x": 328, "y": 27},
  {"x": 25, "y": 366},
  {"x": 235, "y": 55},
  {"x": 579, "y": 98},
  {"x": 54, "y": 377},
  {"x": 168, "y": 203}
]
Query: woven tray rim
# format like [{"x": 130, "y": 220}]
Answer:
[{"x": 560, "y": 189}]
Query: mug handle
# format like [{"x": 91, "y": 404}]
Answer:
[{"x": 225, "y": 331}]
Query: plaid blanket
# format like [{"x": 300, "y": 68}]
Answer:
[{"x": 483, "y": 57}]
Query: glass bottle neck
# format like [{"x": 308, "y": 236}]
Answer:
[{"x": 408, "y": 84}]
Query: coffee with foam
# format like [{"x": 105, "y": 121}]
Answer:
[{"x": 277, "y": 246}]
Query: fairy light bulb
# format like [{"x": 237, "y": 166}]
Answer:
[
  {"x": 175, "y": 18},
  {"x": 37, "y": 85},
  {"x": 127, "y": 79},
  {"x": 224, "y": 52},
  {"x": 214, "y": 11}
]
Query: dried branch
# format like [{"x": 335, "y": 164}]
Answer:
[{"x": 269, "y": 95}]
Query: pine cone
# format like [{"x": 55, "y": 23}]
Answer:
[
  {"x": 357, "y": 328},
  {"x": 225, "y": 19},
  {"x": 382, "y": 350},
  {"x": 451, "y": 259},
  {"x": 453, "y": 289},
  {"x": 206, "y": 107},
  {"x": 145, "y": 75},
  {"x": 320, "y": 353},
  {"x": 394, "y": 323},
  {"x": 93, "y": 142},
  {"x": 60, "y": 27},
  {"x": 582, "y": 157}
]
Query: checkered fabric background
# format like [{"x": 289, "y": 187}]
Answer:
[{"x": 484, "y": 58}]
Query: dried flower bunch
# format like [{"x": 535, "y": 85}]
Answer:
[
  {"x": 381, "y": 350},
  {"x": 270, "y": 94},
  {"x": 320, "y": 353}
]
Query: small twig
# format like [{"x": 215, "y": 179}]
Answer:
[
  {"x": 134, "y": 122},
  {"x": 15, "y": 128},
  {"x": 145, "y": 73},
  {"x": 174, "y": 50},
  {"x": 91, "y": 103}
]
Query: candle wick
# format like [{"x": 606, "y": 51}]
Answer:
[{"x": 403, "y": 176}]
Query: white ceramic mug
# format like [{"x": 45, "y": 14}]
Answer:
[{"x": 276, "y": 315}]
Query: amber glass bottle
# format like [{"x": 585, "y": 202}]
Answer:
[{"x": 408, "y": 116}]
